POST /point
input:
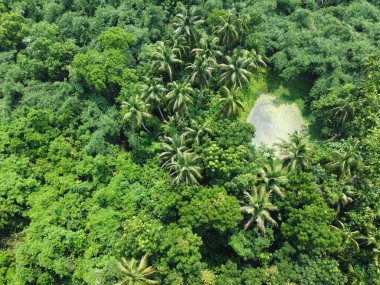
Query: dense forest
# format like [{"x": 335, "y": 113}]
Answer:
[{"x": 126, "y": 157}]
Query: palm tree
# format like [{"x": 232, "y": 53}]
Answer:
[
  {"x": 349, "y": 237},
  {"x": 201, "y": 71},
  {"x": 153, "y": 93},
  {"x": 137, "y": 274},
  {"x": 294, "y": 152},
  {"x": 345, "y": 162},
  {"x": 171, "y": 146},
  {"x": 208, "y": 49},
  {"x": 235, "y": 71},
  {"x": 184, "y": 168},
  {"x": 344, "y": 200},
  {"x": 271, "y": 179},
  {"x": 197, "y": 131},
  {"x": 179, "y": 97},
  {"x": 258, "y": 207},
  {"x": 136, "y": 111},
  {"x": 230, "y": 102},
  {"x": 165, "y": 58},
  {"x": 227, "y": 32},
  {"x": 186, "y": 24}
]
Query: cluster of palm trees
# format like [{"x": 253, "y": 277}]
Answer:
[
  {"x": 183, "y": 71},
  {"x": 258, "y": 205},
  {"x": 184, "y": 68}
]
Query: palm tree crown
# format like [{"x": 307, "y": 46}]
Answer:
[
  {"x": 165, "y": 58},
  {"x": 179, "y": 97},
  {"x": 230, "y": 102},
  {"x": 184, "y": 168},
  {"x": 227, "y": 32},
  {"x": 344, "y": 162},
  {"x": 171, "y": 146},
  {"x": 235, "y": 71},
  {"x": 186, "y": 24},
  {"x": 271, "y": 178},
  {"x": 153, "y": 92},
  {"x": 137, "y": 274},
  {"x": 136, "y": 111},
  {"x": 294, "y": 152},
  {"x": 258, "y": 207}
]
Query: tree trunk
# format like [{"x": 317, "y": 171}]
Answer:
[{"x": 145, "y": 128}]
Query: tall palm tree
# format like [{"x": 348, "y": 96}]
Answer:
[
  {"x": 153, "y": 93},
  {"x": 258, "y": 207},
  {"x": 137, "y": 274},
  {"x": 294, "y": 152},
  {"x": 349, "y": 237},
  {"x": 235, "y": 72},
  {"x": 186, "y": 24},
  {"x": 208, "y": 49},
  {"x": 227, "y": 32},
  {"x": 344, "y": 110},
  {"x": 201, "y": 71},
  {"x": 184, "y": 168},
  {"x": 171, "y": 146},
  {"x": 165, "y": 59},
  {"x": 179, "y": 97},
  {"x": 136, "y": 111},
  {"x": 230, "y": 102},
  {"x": 197, "y": 131},
  {"x": 344, "y": 163},
  {"x": 271, "y": 178}
]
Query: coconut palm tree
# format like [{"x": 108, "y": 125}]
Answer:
[
  {"x": 349, "y": 237},
  {"x": 136, "y": 111},
  {"x": 165, "y": 59},
  {"x": 137, "y": 274},
  {"x": 227, "y": 32},
  {"x": 344, "y": 163},
  {"x": 186, "y": 24},
  {"x": 294, "y": 152},
  {"x": 171, "y": 146},
  {"x": 235, "y": 71},
  {"x": 179, "y": 97},
  {"x": 184, "y": 168},
  {"x": 230, "y": 102},
  {"x": 201, "y": 71},
  {"x": 258, "y": 207},
  {"x": 197, "y": 131},
  {"x": 208, "y": 49},
  {"x": 271, "y": 178},
  {"x": 153, "y": 93}
]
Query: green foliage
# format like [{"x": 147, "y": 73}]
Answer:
[
  {"x": 12, "y": 30},
  {"x": 211, "y": 209}
]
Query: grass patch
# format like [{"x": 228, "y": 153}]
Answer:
[{"x": 285, "y": 91}]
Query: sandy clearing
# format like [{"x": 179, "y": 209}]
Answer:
[{"x": 273, "y": 121}]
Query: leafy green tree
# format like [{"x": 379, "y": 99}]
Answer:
[
  {"x": 211, "y": 209},
  {"x": 136, "y": 111},
  {"x": 235, "y": 72},
  {"x": 258, "y": 208},
  {"x": 295, "y": 152},
  {"x": 271, "y": 179},
  {"x": 137, "y": 274},
  {"x": 179, "y": 97},
  {"x": 230, "y": 102},
  {"x": 12, "y": 30},
  {"x": 184, "y": 168},
  {"x": 165, "y": 60},
  {"x": 115, "y": 38}
]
